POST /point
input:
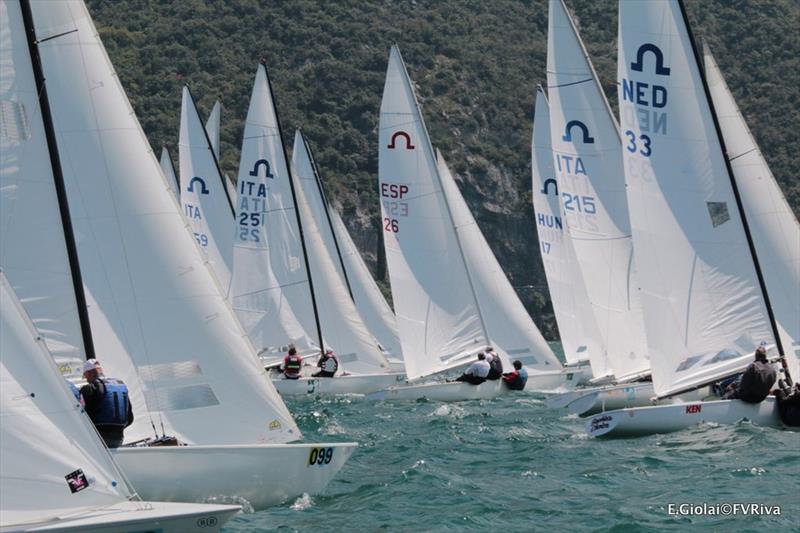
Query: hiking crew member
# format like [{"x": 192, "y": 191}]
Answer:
[
  {"x": 328, "y": 365},
  {"x": 788, "y": 404},
  {"x": 292, "y": 364},
  {"x": 517, "y": 379},
  {"x": 757, "y": 379},
  {"x": 495, "y": 364},
  {"x": 107, "y": 403},
  {"x": 477, "y": 372}
]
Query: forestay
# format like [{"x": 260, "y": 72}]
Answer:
[
  {"x": 576, "y": 324},
  {"x": 271, "y": 292},
  {"x": 508, "y": 323},
  {"x": 52, "y": 462},
  {"x": 153, "y": 300},
  {"x": 704, "y": 312},
  {"x": 437, "y": 315},
  {"x": 588, "y": 165},
  {"x": 168, "y": 168},
  {"x": 372, "y": 305},
  {"x": 775, "y": 230},
  {"x": 342, "y": 327},
  {"x": 203, "y": 193},
  {"x": 32, "y": 249}
]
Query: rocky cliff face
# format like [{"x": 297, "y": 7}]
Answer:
[{"x": 476, "y": 66}]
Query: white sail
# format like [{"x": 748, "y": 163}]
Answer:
[
  {"x": 342, "y": 325},
  {"x": 508, "y": 323},
  {"x": 146, "y": 277},
  {"x": 271, "y": 292},
  {"x": 576, "y": 324},
  {"x": 203, "y": 196},
  {"x": 168, "y": 168},
  {"x": 588, "y": 164},
  {"x": 776, "y": 232},
  {"x": 52, "y": 462},
  {"x": 704, "y": 312},
  {"x": 32, "y": 252},
  {"x": 372, "y": 305},
  {"x": 213, "y": 127},
  {"x": 437, "y": 316}
]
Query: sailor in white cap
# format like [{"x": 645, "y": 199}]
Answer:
[{"x": 107, "y": 403}]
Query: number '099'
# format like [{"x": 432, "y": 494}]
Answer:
[{"x": 320, "y": 456}]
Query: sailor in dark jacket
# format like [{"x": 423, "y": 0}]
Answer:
[
  {"x": 757, "y": 379},
  {"x": 107, "y": 403},
  {"x": 788, "y": 404}
]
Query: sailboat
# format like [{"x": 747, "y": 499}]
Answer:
[
  {"x": 365, "y": 366},
  {"x": 273, "y": 221},
  {"x": 111, "y": 271},
  {"x": 509, "y": 324},
  {"x": 705, "y": 301},
  {"x": 375, "y": 312},
  {"x": 589, "y": 175},
  {"x": 55, "y": 472},
  {"x": 439, "y": 318}
]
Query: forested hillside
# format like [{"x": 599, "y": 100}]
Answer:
[{"x": 476, "y": 65}]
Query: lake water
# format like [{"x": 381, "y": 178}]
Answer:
[{"x": 513, "y": 464}]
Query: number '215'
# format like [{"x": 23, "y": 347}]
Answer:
[{"x": 632, "y": 146}]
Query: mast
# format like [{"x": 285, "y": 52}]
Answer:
[
  {"x": 58, "y": 178},
  {"x": 296, "y": 209},
  {"x": 213, "y": 154},
  {"x": 446, "y": 203},
  {"x": 739, "y": 205},
  {"x": 327, "y": 212}
]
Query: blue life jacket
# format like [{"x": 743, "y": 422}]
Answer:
[{"x": 112, "y": 410}]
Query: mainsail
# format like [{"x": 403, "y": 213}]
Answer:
[
  {"x": 213, "y": 126},
  {"x": 156, "y": 316},
  {"x": 508, "y": 323},
  {"x": 576, "y": 324},
  {"x": 437, "y": 313},
  {"x": 203, "y": 193},
  {"x": 588, "y": 164},
  {"x": 52, "y": 462},
  {"x": 271, "y": 287},
  {"x": 776, "y": 232},
  {"x": 341, "y": 322},
  {"x": 703, "y": 307}
]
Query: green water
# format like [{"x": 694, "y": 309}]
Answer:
[{"x": 512, "y": 464}]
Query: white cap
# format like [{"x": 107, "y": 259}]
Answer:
[
  {"x": 763, "y": 344},
  {"x": 90, "y": 364}
]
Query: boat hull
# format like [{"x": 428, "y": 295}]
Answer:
[
  {"x": 259, "y": 475},
  {"x": 640, "y": 421},
  {"x": 442, "y": 392},
  {"x": 135, "y": 517},
  {"x": 548, "y": 382},
  {"x": 349, "y": 384}
]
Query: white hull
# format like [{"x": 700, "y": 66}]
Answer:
[
  {"x": 592, "y": 400},
  {"x": 350, "y": 384},
  {"x": 566, "y": 379},
  {"x": 443, "y": 392},
  {"x": 639, "y": 421},
  {"x": 136, "y": 517},
  {"x": 261, "y": 475}
]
